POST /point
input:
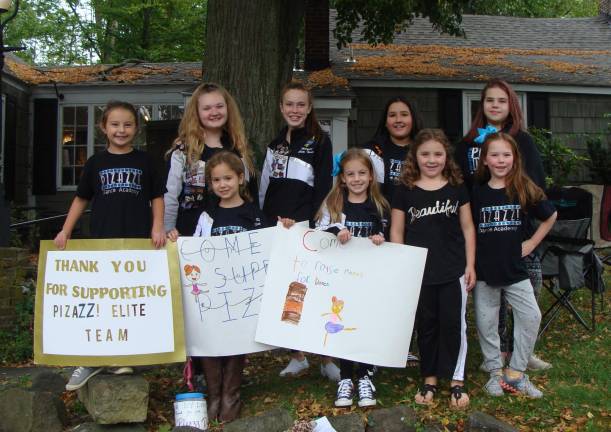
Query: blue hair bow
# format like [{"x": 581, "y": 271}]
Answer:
[
  {"x": 337, "y": 158},
  {"x": 483, "y": 133}
]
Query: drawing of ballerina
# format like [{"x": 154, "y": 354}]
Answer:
[
  {"x": 192, "y": 273},
  {"x": 333, "y": 326}
]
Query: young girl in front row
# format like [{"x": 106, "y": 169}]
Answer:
[
  {"x": 126, "y": 195},
  {"x": 233, "y": 213},
  {"x": 502, "y": 204},
  {"x": 355, "y": 207},
  {"x": 431, "y": 209}
]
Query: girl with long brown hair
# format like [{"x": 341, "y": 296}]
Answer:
[
  {"x": 503, "y": 200},
  {"x": 295, "y": 179},
  {"x": 431, "y": 210}
]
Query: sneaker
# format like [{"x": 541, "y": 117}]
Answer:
[
  {"x": 80, "y": 376},
  {"x": 366, "y": 392},
  {"x": 412, "y": 360},
  {"x": 295, "y": 367},
  {"x": 345, "y": 391},
  {"x": 493, "y": 386},
  {"x": 123, "y": 370},
  {"x": 521, "y": 386},
  {"x": 536, "y": 364},
  {"x": 331, "y": 371}
]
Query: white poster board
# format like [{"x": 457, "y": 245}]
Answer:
[
  {"x": 107, "y": 302},
  {"x": 222, "y": 283},
  {"x": 355, "y": 301}
]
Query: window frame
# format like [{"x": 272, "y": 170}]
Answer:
[{"x": 91, "y": 128}]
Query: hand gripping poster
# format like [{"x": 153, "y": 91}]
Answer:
[
  {"x": 355, "y": 301},
  {"x": 112, "y": 302},
  {"x": 222, "y": 282}
]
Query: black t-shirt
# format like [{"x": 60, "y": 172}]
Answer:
[
  {"x": 501, "y": 227},
  {"x": 362, "y": 219},
  {"x": 432, "y": 221},
  {"x": 393, "y": 156},
  {"x": 121, "y": 187},
  {"x": 234, "y": 220}
]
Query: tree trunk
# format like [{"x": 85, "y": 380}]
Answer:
[{"x": 250, "y": 45}]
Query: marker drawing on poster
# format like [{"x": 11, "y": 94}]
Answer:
[
  {"x": 222, "y": 284},
  {"x": 355, "y": 301}
]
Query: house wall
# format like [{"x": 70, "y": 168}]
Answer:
[
  {"x": 572, "y": 116},
  {"x": 21, "y": 173},
  {"x": 371, "y": 101}
]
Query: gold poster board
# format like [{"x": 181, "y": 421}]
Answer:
[{"x": 90, "y": 313}]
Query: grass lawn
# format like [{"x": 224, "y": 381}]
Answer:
[{"x": 576, "y": 389}]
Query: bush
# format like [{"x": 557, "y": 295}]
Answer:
[
  {"x": 599, "y": 150},
  {"x": 559, "y": 160},
  {"x": 16, "y": 343}
]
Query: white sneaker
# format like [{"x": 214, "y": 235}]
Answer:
[
  {"x": 493, "y": 386},
  {"x": 123, "y": 370},
  {"x": 295, "y": 367},
  {"x": 366, "y": 392},
  {"x": 536, "y": 364},
  {"x": 345, "y": 392},
  {"x": 331, "y": 371},
  {"x": 80, "y": 376}
]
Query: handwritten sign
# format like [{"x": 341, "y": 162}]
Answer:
[
  {"x": 108, "y": 302},
  {"x": 355, "y": 301},
  {"x": 222, "y": 284}
]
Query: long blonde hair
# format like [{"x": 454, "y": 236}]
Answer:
[
  {"x": 192, "y": 134},
  {"x": 335, "y": 199}
]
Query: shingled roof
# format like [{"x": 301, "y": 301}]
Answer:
[{"x": 520, "y": 50}]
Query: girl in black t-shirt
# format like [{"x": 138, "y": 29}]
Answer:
[
  {"x": 397, "y": 128},
  {"x": 355, "y": 207},
  {"x": 431, "y": 209},
  {"x": 502, "y": 206},
  {"x": 500, "y": 110},
  {"x": 233, "y": 213}
]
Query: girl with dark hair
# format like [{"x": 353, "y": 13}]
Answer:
[{"x": 397, "y": 128}]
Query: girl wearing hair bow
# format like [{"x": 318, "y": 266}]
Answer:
[{"x": 499, "y": 111}]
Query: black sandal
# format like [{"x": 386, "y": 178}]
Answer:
[
  {"x": 423, "y": 392},
  {"x": 456, "y": 393}
]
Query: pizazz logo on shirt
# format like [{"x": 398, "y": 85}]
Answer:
[
  {"x": 125, "y": 180},
  {"x": 394, "y": 169},
  {"x": 360, "y": 229},
  {"x": 473, "y": 158},
  {"x": 499, "y": 218}
]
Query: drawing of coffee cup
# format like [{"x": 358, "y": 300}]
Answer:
[{"x": 293, "y": 305}]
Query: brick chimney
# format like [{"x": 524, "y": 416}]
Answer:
[
  {"x": 604, "y": 8},
  {"x": 316, "y": 35}
]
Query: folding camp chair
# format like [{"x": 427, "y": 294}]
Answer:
[{"x": 568, "y": 261}]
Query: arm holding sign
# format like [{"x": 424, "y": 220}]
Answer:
[{"x": 76, "y": 210}]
